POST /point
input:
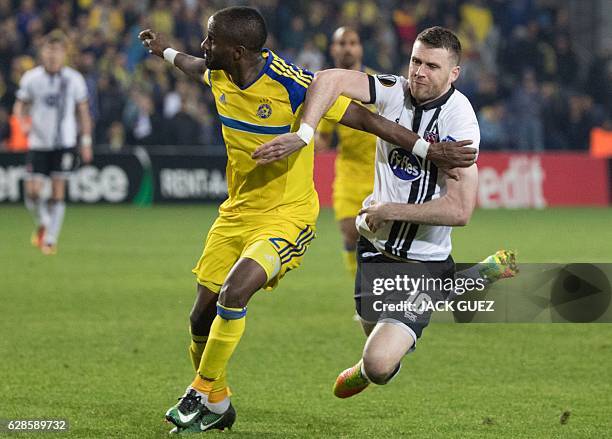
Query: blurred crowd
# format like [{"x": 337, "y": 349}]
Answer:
[{"x": 530, "y": 86}]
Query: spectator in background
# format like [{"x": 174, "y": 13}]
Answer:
[
  {"x": 478, "y": 17},
  {"x": 495, "y": 132},
  {"x": 554, "y": 116},
  {"x": 294, "y": 38},
  {"x": 106, "y": 18},
  {"x": 143, "y": 125},
  {"x": 10, "y": 44},
  {"x": 537, "y": 35},
  {"x": 25, "y": 17},
  {"x": 6, "y": 9},
  {"x": 5, "y": 130},
  {"x": 488, "y": 91},
  {"x": 584, "y": 115},
  {"x": 566, "y": 63},
  {"x": 86, "y": 64},
  {"x": 526, "y": 114},
  {"x": 599, "y": 80},
  {"x": 310, "y": 57},
  {"x": 184, "y": 128},
  {"x": 111, "y": 103}
]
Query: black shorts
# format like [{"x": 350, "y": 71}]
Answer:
[
  {"x": 54, "y": 162},
  {"x": 384, "y": 290}
]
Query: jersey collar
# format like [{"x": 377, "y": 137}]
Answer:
[{"x": 435, "y": 103}]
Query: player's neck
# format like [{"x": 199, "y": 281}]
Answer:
[
  {"x": 245, "y": 73},
  {"x": 357, "y": 66},
  {"x": 52, "y": 72}
]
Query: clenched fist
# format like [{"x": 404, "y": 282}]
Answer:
[{"x": 154, "y": 42}]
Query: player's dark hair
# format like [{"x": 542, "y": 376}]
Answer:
[
  {"x": 56, "y": 36},
  {"x": 439, "y": 37},
  {"x": 243, "y": 26}
]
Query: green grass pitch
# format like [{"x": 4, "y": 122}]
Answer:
[{"x": 98, "y": 335}]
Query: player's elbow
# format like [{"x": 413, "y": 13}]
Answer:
[
  {"x": 461, "y": 220},
  {"x": 462, "y": 216}
]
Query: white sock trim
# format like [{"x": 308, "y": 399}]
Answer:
[{"x": 218, "y": 407}]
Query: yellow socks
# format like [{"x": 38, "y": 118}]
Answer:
[
  {"x": 196, "y": 349},
  {"x": 225, "y": 334},
  {"x": 219, "y": 389}
]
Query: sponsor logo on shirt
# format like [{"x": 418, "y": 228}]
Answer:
[{"x": 404, "y": 165}]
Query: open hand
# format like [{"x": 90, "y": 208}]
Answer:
[
  {"x": 278, "y": 148},
  {"x": 447, "y": 155}
]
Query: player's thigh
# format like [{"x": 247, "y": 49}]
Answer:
[
  {"x": 222, "y": 248},
  {"x": 279, "y": 246},
  {"x": 38, "y": 168},
  {"x": 63, "y": 162}
]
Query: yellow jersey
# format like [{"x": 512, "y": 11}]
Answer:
[
  {"x": 252, "y": 115},
  {"x": 356, "y": 151}
]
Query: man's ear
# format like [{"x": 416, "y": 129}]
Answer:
[
  {"x": 455, "y": 73},
  {"x": 239, "y": 52}
]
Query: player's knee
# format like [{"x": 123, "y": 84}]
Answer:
[
  {"x": 231, "y": 296},
  {"x": 33, "y": 195},
  {"x": 378, "y": 370}
]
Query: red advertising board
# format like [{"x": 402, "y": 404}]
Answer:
[{"x": 518, "y": 180}]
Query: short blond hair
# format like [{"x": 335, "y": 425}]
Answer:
[{"x": 56, "y": 36}]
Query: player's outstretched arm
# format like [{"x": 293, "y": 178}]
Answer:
[
  {"x": 192, "y": 66},
  {"x": 452, "y": 209},
  {"x": 445, "y": 155},
  {"x": 325, "y": 88}
]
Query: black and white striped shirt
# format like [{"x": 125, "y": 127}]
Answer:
[
  {"x": 53, "y": 99},
  {"x": 401, "y": 177}
]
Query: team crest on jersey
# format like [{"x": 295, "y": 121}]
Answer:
[
  {"x": 405, "y": 165},
  {"x": 265, "y": 110},
  {"x": 52, "y": 100},
  {"x": 431, "y": 136},
  {"x": 387, "y": 80},
  {"x": 222, "y": 98}
]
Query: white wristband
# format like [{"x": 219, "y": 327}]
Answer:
[
  {"x": 306, "y": 132},
  {"x": 170, "y": 54},
  {"x": 86, "y": 140},
  {"x": 420, "y": 148}
]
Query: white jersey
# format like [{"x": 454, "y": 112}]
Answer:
[
  {"x": 402, "y": 177},
  {"x": 53, "y": 100}
]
